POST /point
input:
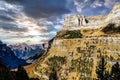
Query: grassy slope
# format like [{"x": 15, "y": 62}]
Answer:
[
  {"x": 94, "y": 42},
  {"x": 68, "y": 46}
]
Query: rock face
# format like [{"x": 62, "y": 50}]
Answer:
[
  {"x": 114, "y": 15},
  {"x": 75, "y": 21},
  {"x": 80, "y": 21}
]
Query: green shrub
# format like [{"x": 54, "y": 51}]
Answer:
[
  {"x": 69, "y": 34},
  {"x": 56, "y": 62},
  {"x": 111, "y": 28}
]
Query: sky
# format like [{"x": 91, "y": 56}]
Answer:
[{"x": 37, "y": 21}]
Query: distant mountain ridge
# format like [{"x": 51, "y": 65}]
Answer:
[
  {"x": 22, "y": 54},
  {"x": 8, "y": 58},
  {"x": 31, "y": 53},
  {"x": 27, "y": 52}
]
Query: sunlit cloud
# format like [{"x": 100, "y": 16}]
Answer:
[{"x": 34, "y": 24}]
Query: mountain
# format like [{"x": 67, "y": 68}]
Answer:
[
  {"x": 8, "y": 58},
  {"x": 79, "y": 21},
  {"x": 114, "y": 15},
  {"x": 78, "y": 47},
  {"x": 27, "y": 52}
]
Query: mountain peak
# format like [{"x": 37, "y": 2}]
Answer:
[
  {"x": 114, "y": 15},
  {"x": 79, "y": 21},
  {"x": 116, "y": 6}
]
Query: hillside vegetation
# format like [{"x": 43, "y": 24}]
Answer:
[
  {"x": 66, "y": 34},
  {"x": 80, "y": 53},
  {"x": 73, "y": 57}
]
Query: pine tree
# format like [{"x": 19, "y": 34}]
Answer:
[
  {"x": 115, "y": 72},
  {"x": 53, "y": 75},
  {"x": 101, "y": 70},
  {"x": 21, "y": 74},
  {"x": 5, "y": 73}
]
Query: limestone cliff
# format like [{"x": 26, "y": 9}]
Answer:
[
  {"x": 81, "y": 21},
  {"x": 114, "y": 15},
  {"x": 75, "y": 21}
]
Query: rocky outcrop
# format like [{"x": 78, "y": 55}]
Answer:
[
  {"x": 47, "y": 45},
  {"x": 114, "y": 15},
  {"x": 80, "y": 21},
  {"x": 74, "y": 22}
]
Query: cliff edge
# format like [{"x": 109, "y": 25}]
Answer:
[{"x": 79, "y": 21}]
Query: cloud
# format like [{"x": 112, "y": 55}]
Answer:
[
  {"x": 5, "y": 18},
  {"x": 16, "y": 24},
  {"x": 97, "y": 3},
  {"x": 39, "y": 20},
  {"x": 8, "y": 16},
  {"x": 81, "y": 4},
  {"x": 110, "y": 3},
  {"x": 43, "y": 8},
  {"x": 12, "y": 27},
  {"x": 93, "y": 7}
]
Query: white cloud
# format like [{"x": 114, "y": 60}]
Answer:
[
  {"x": 109, "y": 3},
  {"x": 103, "y": 11},
  {"x": 35, "y": 32},
  {"x": 96, "y": 3},
  {"x": 86, "y": 0},
  {"x": 79, "y": 6}
]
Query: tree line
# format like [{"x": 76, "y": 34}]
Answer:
[
  {"x": 103, "y": 74},
  {"x": 20, "y": 74}
]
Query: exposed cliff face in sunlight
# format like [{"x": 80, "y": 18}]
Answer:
[{"x": 79, "y": 21}]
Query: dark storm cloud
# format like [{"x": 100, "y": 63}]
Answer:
[
  {"x": 45, "y": 17},
  {"x": 6, "y": 18},
  {"x": 43, "y": 8},
  {"x": 12, "y": 37},
  {"x": 11, "y": 27},
  {"x": 47, "y": 8}
]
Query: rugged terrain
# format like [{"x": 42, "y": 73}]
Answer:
[
  {"x": 74, "y": 22},
  {"x": 8, "y": 58},
  {"x": 29, "y": 53},
  {"x": 77, "y": 48}
]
